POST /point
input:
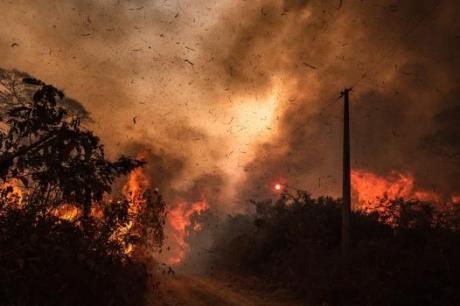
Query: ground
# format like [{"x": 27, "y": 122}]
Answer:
[{"x": 193, "y": 290}]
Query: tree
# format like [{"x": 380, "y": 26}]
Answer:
[
  {"x": 46, "y": 257},
  {"x": 52, "y": 155}
]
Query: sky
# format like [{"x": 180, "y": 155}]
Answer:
[{"x": 228, "y": 97}]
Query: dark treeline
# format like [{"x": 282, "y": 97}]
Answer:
[{"x": 406, "y": 255}]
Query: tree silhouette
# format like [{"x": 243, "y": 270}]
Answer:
[
  {"x": 50, "y": 164},
  {"x": 52, "y": 155}
]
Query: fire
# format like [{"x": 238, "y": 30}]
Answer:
[
  {"x": 278, "y": 187},
  {"x": 135, "y": 188},
  {"x": 67, "y": 212},
  {"x": 134, "y": 191},
  {"x": 372, "y": 189},
  {"x": 11, "y": 193},
  {"x": 178, "y": 222},
  {"x": 455, "y": 198}
]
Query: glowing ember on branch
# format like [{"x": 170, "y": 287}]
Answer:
[{"x": 178, "y": 223}]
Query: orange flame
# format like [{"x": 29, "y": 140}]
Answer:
[
  {"x": 455, "y": 199},
  {"x": 372, "y": 189},
  {"x": 134, "y": 189},
  {"x": 178, "y": 221},
  {"x": 67, "y": 212},
  {"x": 12, "y": 193}
]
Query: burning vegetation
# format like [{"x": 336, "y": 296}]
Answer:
[
  {"x": 236, "y": 99},
  {"x": 62, "y": 224},
  {"x": 64, "y": 240},
  {"x": 67, "y": 239},
  {"x": 371, "y": 189},
  {"x": 179, "y": 225}
]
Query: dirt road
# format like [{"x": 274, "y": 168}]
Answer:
[{"x": 202, "y": 291}]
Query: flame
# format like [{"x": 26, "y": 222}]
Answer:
[
  {"x": 455, "y": 199},
  {"x": 67, "y": 212},
  {"x": 134, "y": 191},
  {"x": 12, "y": 192},
  {"x": 372, "y": 189},
  {"x": 178, "y": 222},
  {"x": 135, "y": 188}
]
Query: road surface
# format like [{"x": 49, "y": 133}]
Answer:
[{"x": 203, "y": 291}]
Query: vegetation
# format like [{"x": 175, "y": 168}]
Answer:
[
  {"x": 407, "y": 255},
  {"x": 63, "y": 242}
]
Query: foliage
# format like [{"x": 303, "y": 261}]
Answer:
[
  {"x": 52, "y": 155},
  {"x": 63, "y": 242},
  {"x": 49, "y": 261},
  {"x": 295, "y": 241}
]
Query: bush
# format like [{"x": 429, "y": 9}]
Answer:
[
  {"x": 50, "y": 163},
  {"x": 295, "y": 241},
  {"x": 48, "y": 261}
]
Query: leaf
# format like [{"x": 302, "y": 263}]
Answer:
[
  {"x": 32, "y": 81},
  {"x": 38, "y": 96}
]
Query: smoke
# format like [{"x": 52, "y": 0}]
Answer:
[
  {"x": 312, "y": 50},
  {"x": 13, "y": 79},
  {"x": 229, "y": 97}
]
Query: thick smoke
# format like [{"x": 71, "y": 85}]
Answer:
[
  {"x": 11, "y": 84},
  {"x": 228, "y": 97},
  {"x": 398, "y": 56}
]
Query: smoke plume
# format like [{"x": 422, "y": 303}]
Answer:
[{"x": 226, "y": 98}]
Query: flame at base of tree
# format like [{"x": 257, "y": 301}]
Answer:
[{"x": 145, "y": 211}]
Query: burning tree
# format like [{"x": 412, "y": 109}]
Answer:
[
  {"x": 65, "y": 241},
  {"x": 52, "y": 155}
]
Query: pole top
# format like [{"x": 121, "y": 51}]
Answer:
[{"x": 344, "y": 92}]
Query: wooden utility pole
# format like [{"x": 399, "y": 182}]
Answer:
[{"x": 346, "y": 185}]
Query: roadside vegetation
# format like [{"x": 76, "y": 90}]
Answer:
[
  {"x": 405, "y": 255},
  {"x": 63, "y": 239}
]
